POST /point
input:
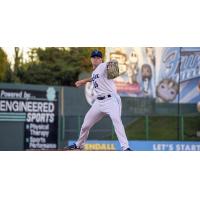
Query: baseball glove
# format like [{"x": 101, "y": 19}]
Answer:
[{"x": 112, "y": 69}]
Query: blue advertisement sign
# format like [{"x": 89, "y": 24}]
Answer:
[
  {"x": 169, "y": 74},
  {"x": 109, "y": 145},
  {"x": 178, "y": 67}
]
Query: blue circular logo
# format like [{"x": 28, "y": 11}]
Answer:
[{"x": 51, "y": 94}]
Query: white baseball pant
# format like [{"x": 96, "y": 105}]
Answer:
[{"x": 109, "y": 106}]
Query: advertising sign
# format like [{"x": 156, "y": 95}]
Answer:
[
  {"x": 39, "y": 112},
  {"x": 178, "y": 67},
  {"x": 110, "y": 145},
  {"x": 137, "y": 68}
]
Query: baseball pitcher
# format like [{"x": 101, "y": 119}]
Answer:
[{"x": 108, "y": 102}]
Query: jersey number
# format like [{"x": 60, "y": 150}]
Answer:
[{"x": 95, "y": 84}]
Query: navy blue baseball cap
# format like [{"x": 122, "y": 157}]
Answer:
[{"x": 96, "y": 53}]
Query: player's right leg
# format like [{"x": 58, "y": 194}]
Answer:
[
  {"x": 92, "y": 117},
  {"x": 114, "y": 111}
]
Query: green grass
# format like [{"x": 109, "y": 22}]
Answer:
[{"x": 164, "y": 128}]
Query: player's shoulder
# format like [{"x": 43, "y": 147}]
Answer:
[{"x": 102, "y": 65}]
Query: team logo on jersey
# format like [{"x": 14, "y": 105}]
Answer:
[{"x": 94, "y": 77}]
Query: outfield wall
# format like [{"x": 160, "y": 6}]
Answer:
[{"x": 67, "y": 106}]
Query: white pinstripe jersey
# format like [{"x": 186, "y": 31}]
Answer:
[{"x": 102, "y": 84}]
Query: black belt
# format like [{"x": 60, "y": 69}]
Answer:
[{"x": 102, "y": 98}]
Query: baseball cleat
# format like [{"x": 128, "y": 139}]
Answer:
[
  {"x": 128, "y": 149},
  {"x": 72, "y": 147}
]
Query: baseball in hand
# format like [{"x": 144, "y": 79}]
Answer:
[{"x": 79, "y": 83}]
